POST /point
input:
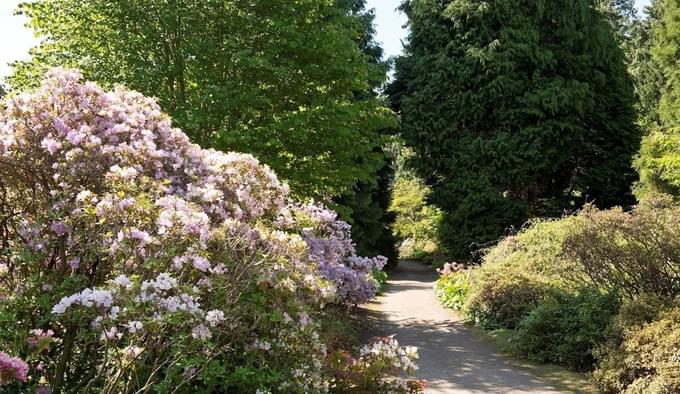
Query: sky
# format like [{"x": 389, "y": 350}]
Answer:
[{"x": 15, "y": 39}]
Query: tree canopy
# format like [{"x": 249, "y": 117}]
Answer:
[
  {"x": 278, "y": 79},
  {"x": 659, "y": 159},
  {"x": 514, "y": 109}
]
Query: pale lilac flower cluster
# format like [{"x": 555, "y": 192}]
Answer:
[
  {"x": 154, "y": 225},
  {"x": 92, "y": 137},
  {"x": 388, "y": 350},
  {"x": 449, "y": 268},
  {"x": 12, "y": 368},
  {"x": 89, "y": 298},
  {"x": 330, "y": 246}
]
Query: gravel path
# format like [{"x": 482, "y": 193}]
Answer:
[{"x": 452, "y": 358}]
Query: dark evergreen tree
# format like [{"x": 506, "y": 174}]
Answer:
[
  {"x": 371, "y": 221},
  {"x": 643, "y": 67},
  {"x": 366, "y": 207},
  {"x": 622, "y": 15},
  {"x": 515, "y": 108},
  {"x": 667, "y": 54}
]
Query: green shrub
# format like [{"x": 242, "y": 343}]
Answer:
[
  {"x": 636, "y": 313},
  {"x": 452, "y": 289},
  {"x": 634, "y": 252},
  {"x": 502, "y": 299},
  {"x": 416, "y": 222},
  {"x": 559, "y": 283},
  {"x": 538, "y": 250},
  {"x": 643, "y": 354},
  {"x": 379, "y": 277},
  {"x": 566, "y": 327}
]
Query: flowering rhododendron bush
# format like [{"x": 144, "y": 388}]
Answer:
[{"x": 132, "y": 260}]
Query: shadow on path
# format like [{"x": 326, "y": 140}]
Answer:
[{"x": 452, "y": 358}]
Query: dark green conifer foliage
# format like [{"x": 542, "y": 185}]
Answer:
[
  {"x": 366, "y": 206},
  {"x": 515, "y": 108},
  {"x": 643, "y": 67},
  {"x": 667, "y": 54}
]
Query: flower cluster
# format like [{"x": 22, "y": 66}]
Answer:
[
  {"x": 387, "y": 348},
  {"x": 450, "y": 268},
  {"x": 40, "y": 339},
  {"x": 154, "y": 252},
  {"x": 12, "y": 368},
  {"x": 378, "y": 368},
  {"x": 330, "y": 245}
]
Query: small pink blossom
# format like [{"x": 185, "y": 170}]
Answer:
[
  {"x": 43, "y": 390},
  {"x": 74, "y": 263},
  {"x": 142, "y": 236},
  {"x": 201, "y": 263},
  {"x": 51, "y": 145},
  {"x": 40, "y": 338},
  {"x": 61, "y": 126},
  {"x": 12, "y": 368},
  {"x": 214, "y": 317},
  {"x": 59, "y": 228},
  {"x": 75, "y": 137},
  {"x": 304, "y": 319},
  {"x": 201, "y": 332}
]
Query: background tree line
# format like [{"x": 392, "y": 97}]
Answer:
[
  {"x": 519, "y": 109},
  {"x": 513, "y": 109}
]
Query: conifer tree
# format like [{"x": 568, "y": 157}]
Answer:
[
  {"x": 366, "y": 206},
  {"x": 515, "y": 108}
]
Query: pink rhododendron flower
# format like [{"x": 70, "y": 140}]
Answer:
[
  {"x": 12, "y": 368},
  {"x": 43, "y": 390},
  {"x": 201, "y": 332},
  {"x": 40, "y": 339},
  {"x": 304, "y": 319},
  {"x": 214, "y": 317}
]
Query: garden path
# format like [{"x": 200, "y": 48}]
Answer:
[{"x": 453, "y": 359}]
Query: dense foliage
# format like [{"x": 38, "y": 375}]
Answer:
[
  {"x": 659, "y": 160},
  {"x": 132, "y": 259},
  {"x": 592, "y": 291},
  {"x": 286, "y": 81},
  {"x": 636, "y": 253},
  {"x": 641, "y": 353},
  {"x": 370, "y": 218},
  {"x": 366, "y": 205},
  {"x": 292, "y": 83},
  {"x": 566, "y": 327},
  {"x": 416, "y": 222},
  {"x": 514, "y": 109}
]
